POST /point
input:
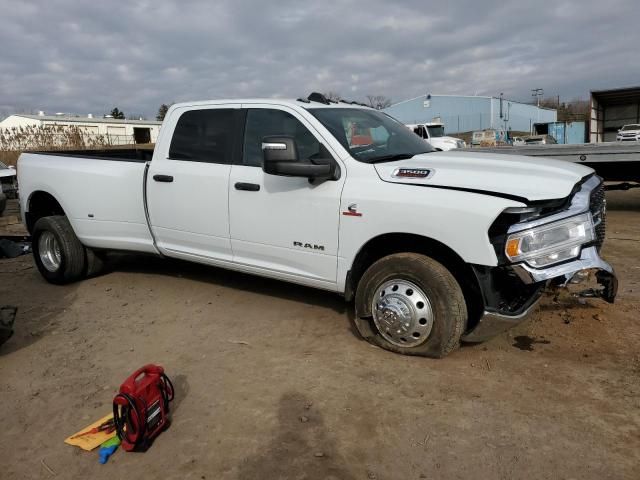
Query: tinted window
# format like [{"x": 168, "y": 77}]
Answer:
[
  {"x": 204, "y": 136},
  {"x": 264, "y": 122}
]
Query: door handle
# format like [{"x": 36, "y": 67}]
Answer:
[
  {"x": 249, "y": 187},
  {"x": 163, "y": 178}
]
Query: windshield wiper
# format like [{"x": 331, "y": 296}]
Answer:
[{"x": 397, "y": 156}]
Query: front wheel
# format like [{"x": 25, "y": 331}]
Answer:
[
  {"x": 59, "y": 255},
  {"x": 411, "y": 304}
]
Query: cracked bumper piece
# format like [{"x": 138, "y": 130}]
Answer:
[
  {"x": 575, "y": 271},
  {"x": 510, "y": 294}
]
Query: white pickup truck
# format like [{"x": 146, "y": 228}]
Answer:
[
  {"x": 433, "y": 248},
  {"x": 434, "y": 134}
]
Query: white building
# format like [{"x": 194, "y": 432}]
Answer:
[{"x": 113, "y": 131}]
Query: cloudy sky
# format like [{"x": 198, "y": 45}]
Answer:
[{"x": 87, "y": 56}]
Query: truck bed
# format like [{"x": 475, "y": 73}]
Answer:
[
  {"x": 127, "y": 153},
  {"x": 100, "y": 191}
]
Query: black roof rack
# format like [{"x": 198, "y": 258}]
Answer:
[
  {"x": 318, "y": 97},
  {"x": 354, "y": 103}
]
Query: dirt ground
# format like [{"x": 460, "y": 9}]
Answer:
[{"x": 272, "y": 383}]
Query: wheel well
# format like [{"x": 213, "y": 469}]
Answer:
[
  {"x": 391, "y": 243},
  {"x": 41, "y": 204}
]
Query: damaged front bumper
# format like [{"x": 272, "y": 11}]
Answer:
[
  {"x": 511, "y": 293},
  {"x": 576, "y": 272}
]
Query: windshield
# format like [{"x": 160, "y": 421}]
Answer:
[
  {"x": 371, "y": 136},
  {"x": 2, "y": 165},
  {"x": 436, "y": 130},
  {"x": 631, "y": 127}
]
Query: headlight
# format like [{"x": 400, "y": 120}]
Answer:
[{"x": 548, "y": 244}]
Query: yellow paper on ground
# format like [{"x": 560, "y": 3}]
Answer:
[{"x": 92, "y": 440}]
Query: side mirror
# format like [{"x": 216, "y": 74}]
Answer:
[{"x": 281, "y": 158}]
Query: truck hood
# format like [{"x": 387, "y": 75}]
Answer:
[{"x": 518, "y": 177}]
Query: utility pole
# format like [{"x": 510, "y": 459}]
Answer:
[
  {"x": 506, "y": 117},
  {"x": 537, "y": 92}
]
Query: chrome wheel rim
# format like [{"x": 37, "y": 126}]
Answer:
[
  {"x": 49, "y": 250},
  {"x": 402, "y": 313}
]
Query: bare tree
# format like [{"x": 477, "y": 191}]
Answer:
[
  {"x": 332, "y": 96},
  {"x": 574, "y": 110},
  {"x": 378, "y": 101}
]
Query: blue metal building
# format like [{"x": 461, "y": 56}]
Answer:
[{"x": 465, "y": 113}]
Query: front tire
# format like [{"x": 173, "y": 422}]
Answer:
[
  {"x": 59, "y": 255},
  {"x": 411, "y": 304}
]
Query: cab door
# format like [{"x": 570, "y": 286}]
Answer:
[
  {"x": 188, "y": 183},
  {"x": 285, "y": 227}
]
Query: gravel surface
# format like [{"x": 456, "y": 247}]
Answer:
[{"x": 272, "y": 383}]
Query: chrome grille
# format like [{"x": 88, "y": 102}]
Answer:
[{"x": 598, "y": 207}]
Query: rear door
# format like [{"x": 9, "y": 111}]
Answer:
[
  {"x": 284, "y": 226},
  {"x": 188, "y": 183}
]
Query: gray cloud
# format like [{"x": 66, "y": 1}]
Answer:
[{"x": 77, "y": 56}]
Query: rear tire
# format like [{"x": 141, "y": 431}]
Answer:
[
  {"x": 410, "y": 304},
  {"x": 59, "y": 255}
]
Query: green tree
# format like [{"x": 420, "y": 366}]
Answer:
[
  {"x": 162, "y": 111},
  {"x": 115, "y": 113}
]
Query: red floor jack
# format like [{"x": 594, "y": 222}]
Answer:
[{"x": 141, "y": 408}]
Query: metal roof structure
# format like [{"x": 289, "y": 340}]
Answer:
[
  {"x": 617, "y": 96},
  {"x": 612, "y": 109},
  {"x": 77, "y": 118}
]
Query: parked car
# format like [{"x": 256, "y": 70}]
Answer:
[
  {"x": 433, "y": 248},
  {"x": 518, "y": 141},
  {"x": 434, "y": 134},
  {"x": 629, "y": 133},
  {"x": 8, "y": 180},
  {"x": 539, "y": 140}
]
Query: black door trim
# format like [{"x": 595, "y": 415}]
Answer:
[
  {"x": 249, "y": 187},
  {"x": 163, "y": 178}
]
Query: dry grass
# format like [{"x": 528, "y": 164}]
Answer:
[
  {"x": 9, "y": 158},
  {"x": 14, "y": 141}
]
